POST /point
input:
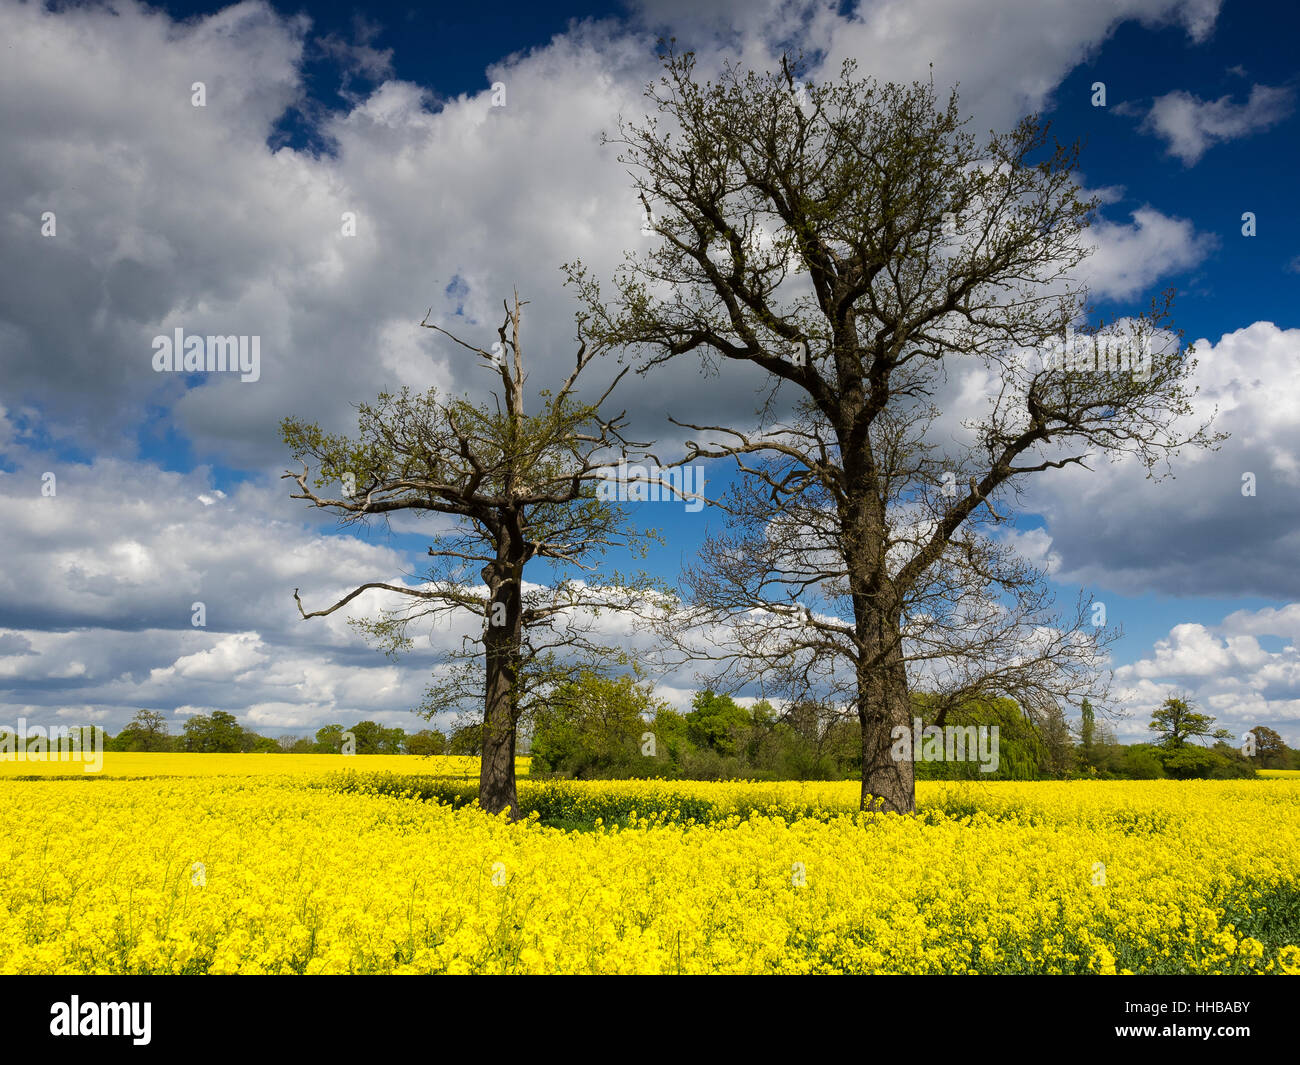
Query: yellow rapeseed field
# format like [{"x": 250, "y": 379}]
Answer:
[
  {"x": 329, "y": 874},
  {"x": 124, "y": 764}
]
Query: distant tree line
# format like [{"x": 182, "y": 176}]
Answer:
[
  {"x": 601, "y": 727},
  {"x": 221, "y": 733},
  {"x": 1183, "y": 749},
  {"x": 597, "y": 727}
]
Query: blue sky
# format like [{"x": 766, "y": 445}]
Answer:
[{"x": 169, "y": 490}]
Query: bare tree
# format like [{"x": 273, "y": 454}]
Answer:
[
  {"x": 518, "y": 488},
  {"x": 980, "y": 624},
  {"x": 855, "y": 242}
]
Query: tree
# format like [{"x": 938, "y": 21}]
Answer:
[
  {"x": 329, "y": 739},
  {"x": 672, "y": 744},
  {"x": 147, "y": 731},
  {"x": 1220, "y": 762},
  {"x": 252, "y": 742},
  {"x": 593, "y": 726},
  {"x": 1140, "y": 762},
  {"x": 466, "y": 740},
  {"x": 1023, "y": 750},
  {"x": 806, "y": 741},
  {"x": 1087, "y": 736},
  {"x": 373, "y": 738},
  {"x": 426, "y": 742},
  {"x": 808, "y": 719},
  {"x": 854, "y": 243},
  {"x": 716, "y": 721},
  {"x": 521, "y": 488},
  {"x": 1270, "y": 748},
  {"x": 1054, "y": 732},
  {"x": 1177, "y": 722},
  {"x": 219, "y": 733}
]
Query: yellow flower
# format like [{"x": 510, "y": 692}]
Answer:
[{"x": 303, "y": 874}]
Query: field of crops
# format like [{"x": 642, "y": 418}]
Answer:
[
  {"x": 377, "y": 872},
  {"x": 121, "y": 764}
]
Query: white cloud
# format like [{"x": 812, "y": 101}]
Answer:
[
  {"x": 1227, "y": 672},
  {"x": 1127, "y": 259},
  {"x": 230, "y": 659},
  {"x": 1035, "y": 546},
  {"x": 174, "y": 215},
  {"x": 1190, "y": 126},
  {"x": 1025, "y": 46},
  {"x": 97, "y": 594},
  {"x": 1195, "y": 533}
]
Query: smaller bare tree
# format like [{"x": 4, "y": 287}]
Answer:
[{"x": 518, "y": 487}]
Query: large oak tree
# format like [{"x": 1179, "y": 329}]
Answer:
[{"x": 855, "y": 242}]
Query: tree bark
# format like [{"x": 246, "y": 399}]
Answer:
[
  {"x": 496, "y": 787},
  {"x": 884, "y": 703}
]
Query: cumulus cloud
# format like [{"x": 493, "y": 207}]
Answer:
[
  {"x": 1025, "y": 46},
  {"x": 1035, "y": 546},
  {"x": 358, "y": 56},
  {"x": 98, "y": 597},
  {"x": 1210, "y": 537},
  {"x": 1190, "y": 126},
  {"x": 172, "y": 215},
  {"x": 1225, "y": 670},
  {"x": 1127, "y": 259}
]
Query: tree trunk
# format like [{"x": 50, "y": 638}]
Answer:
[
  {"x": 884, "y": 703},
  {"x": 883, "y": 699},
  {"x": 496, "y": 783}
]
